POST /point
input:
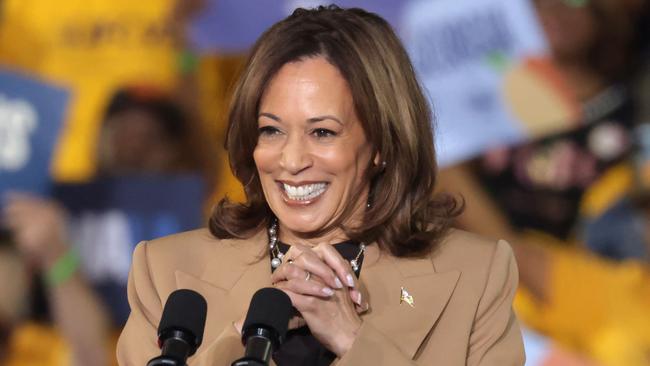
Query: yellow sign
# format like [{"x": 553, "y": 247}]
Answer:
[{"x": 91, "y": 47}]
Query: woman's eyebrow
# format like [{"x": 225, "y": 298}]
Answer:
[
  {"x": 310, "y": 120},
  {"x": 321, "y": 118},
  {"x": 271, "y": 116}
]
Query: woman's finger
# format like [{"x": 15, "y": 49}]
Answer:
[
  {"x": 306, "y": 259},
  {"x": 361, "y": 305},
  {"x": 355, "y": 296},
  {"x": 300, "y": 281},
  {"x": 337, "y": 263},
  {"x": 306, "y": 287},
  {"x": 287, "y": 271},
  {"x": 302, "y": 303}
]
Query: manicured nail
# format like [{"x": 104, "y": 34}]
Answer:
[
  {"x": 328, "y": 291},
  {"x": 356, "y": 297},
  {"x": 338, "y": 283},
  {"x": 350, "y": 280}
]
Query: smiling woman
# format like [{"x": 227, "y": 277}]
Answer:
[
  {"x": 312, "y": 151},
  {"x": 330, "y": 134},
  {"x": 344, "y": 66}
]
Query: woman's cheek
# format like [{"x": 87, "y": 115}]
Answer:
[{"x": 263, "y": 156}]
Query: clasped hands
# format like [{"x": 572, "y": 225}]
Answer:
[{"x": 326, "y": 293}]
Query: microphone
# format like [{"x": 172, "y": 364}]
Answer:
[
  {"x": 265, "y": 327},
  {"x": 180, "y": 331}
]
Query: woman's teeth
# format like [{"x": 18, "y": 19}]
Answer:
[{"x": 305, "y": 192}]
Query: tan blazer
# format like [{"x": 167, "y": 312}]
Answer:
[{"x": 461, "y": 315}]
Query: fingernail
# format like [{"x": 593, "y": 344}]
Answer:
[
  {"x": 328, "y": 291},
  {"x": 350, "y": 280},
  {"x": 359, "y": 299},
  {"x": 338, "y": 283}
]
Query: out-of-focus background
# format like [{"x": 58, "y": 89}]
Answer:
[{"x": 112, "y": 120}]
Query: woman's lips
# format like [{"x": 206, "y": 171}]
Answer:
[{"x": 302, "y": 194}]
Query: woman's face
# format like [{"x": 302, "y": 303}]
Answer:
[{"x": 311, "y": 151}]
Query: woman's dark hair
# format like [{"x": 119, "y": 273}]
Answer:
[{"x": 406, "y": 218}]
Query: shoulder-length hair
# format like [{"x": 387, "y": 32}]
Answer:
[{"x": 406, "y": 217}]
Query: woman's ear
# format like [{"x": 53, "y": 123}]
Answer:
[
  {"x": 381, "y": 164},
  {"x": 377, "y": 159}
]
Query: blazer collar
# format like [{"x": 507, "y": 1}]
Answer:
[
  {"x": 247, "y": 269},
  {"x": 407, "y": 326},
  {"x": 228, "y": 283}
]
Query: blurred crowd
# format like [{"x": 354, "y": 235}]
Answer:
[{"x": 575, "y": 205}]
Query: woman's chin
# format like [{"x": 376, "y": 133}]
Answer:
[{"x": 300, "y": 225}]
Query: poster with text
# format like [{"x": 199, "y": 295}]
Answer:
[
  {"x": 108, "y": 217},
  {"x": 486, "y": 67},
  {"x": 31, "y": 117}
]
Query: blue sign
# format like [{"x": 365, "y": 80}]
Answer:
[
  {"x": 31, "y": 116},
  {"x": 110, "y": 216}
]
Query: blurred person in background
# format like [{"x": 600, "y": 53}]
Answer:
[
  {"x": 14, "y": 294},
  {"x": 39, "y": 235},
  {"x": 541, "y": 193},
  {"x": 540, "y": 185},
  {"x": 143, "y": 132}
]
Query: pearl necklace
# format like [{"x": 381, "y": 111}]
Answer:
[{"x": 277, "y": 255}]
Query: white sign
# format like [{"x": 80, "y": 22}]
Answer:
[
  {"x": 476, "y": 58},
  {"x": 18, "y": 120}
]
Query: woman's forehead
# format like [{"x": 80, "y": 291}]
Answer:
[{"x": 312, "y": 87}]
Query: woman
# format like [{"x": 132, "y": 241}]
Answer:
[{"x": 330, "y": 134}]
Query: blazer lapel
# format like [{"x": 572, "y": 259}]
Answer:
[
  {"x": 406, "y": 325},
  {"x": 240, "y": 268}
]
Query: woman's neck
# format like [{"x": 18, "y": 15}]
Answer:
[{"x": 288, "y": 237}]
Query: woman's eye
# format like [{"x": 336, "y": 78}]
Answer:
[
  {"x": 268, "y": 131},
  {"x": 323, "y": 133}
]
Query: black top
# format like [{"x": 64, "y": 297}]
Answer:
[{"x": 300, "y": 346}]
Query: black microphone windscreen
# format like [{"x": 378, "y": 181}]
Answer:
[
  {"x": 184, "y": 310},
  {"x": 269, "y": 308}
]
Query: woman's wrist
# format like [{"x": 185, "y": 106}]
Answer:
[
  {"x": 51, "y": 254},
  {"x": 60, "y": 270}
]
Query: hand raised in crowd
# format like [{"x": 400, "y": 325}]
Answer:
[
  {"x": 324, "y": 289},
  {"x": 38, "y": 226}
]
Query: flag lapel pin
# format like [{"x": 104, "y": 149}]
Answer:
[{"x": 406, "y": 297}]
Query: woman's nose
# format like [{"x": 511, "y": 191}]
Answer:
[{"x": 295, "y": 155}]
